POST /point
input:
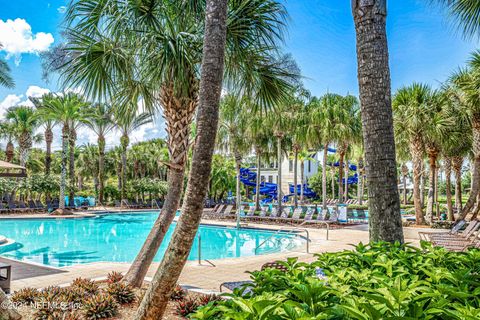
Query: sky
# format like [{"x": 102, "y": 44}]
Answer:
[{"x": 424, "y": 47}]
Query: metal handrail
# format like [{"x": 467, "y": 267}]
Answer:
[
  {"x": 200, "y": 253},
  {"x": 284, "y": 229}
]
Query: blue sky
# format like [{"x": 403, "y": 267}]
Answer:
[{"x": 423, "y": 45}]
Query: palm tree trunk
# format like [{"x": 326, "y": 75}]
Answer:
[
  {"x": 448, "y": 187},
  {"x": 63, "y": 175},
  {"x": 475, "y": 190},
  {"x": 432, "y": 158},
  {"x": 416, "y": 150},
  {"x": 279, "y": 172},
  {"x": 360, "y": 181},
  {"x": 238, "y": 194},
  {"x": 178, "y": 114},
  {"x": 302, "y": 180},
  {"x": 340, "y": 177},
  {"x": 346, "y": 180},
  {"x": 124, "y": 140},
  {"x": 157, "y": 296},
  {"x": 405, "y": 189},
  {"x": 257, "y": 182},
  {"x": 377, "y": 121},
  {"x": 332, "y": 170},
  {"x": 71, "y": 193},
  {"x": 101, "y": 167},
  {"x": 324, "y": 178},
  {"x": 48, "y": 153},
  {"x": 457, "y": 163},
  {"x": 9, "y": 152},
  {"x": 423, "y": 173},
  {"x": 295, "y": 180}
]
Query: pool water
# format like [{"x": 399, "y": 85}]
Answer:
[{"x": 119, "y": 237}]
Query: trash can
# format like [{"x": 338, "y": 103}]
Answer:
[{"x": 5, "y": 277}]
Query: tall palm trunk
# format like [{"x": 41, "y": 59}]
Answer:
[
  {"x": 25, "y": 143},
  {"x": 9, "y": 151},
  {"x": 279, "y": 136},
  {"x": 476, "y": 168},
  {"x": 178, "y": 113},
  {"x": 71, "y": 193},
  {"x": 257, "y": 182},
  {"x": 238, "y": 194},
  {"x": 448, "y": 187},
  {"x": 457, "y": 163},
  {"x": 432, "y": 161},
  {"x": 124, "y": 141},
  {"x": 63, "y": 174},
  {"x": 332, "y": 170},
  {"x": 158, "y": 294},
  {"x": 101, "y": 167},
  {"x": 346, "y": 179},
  {"x": 416, "y": 150},
  {"x": 361, "y": 180},
  {"x": 404, "y": 171},
  {"x": 341, "y": 155},
  {"x": 423, "y": 174},
  {"x": 377, "y": 121},
  {"x": 48, "y": 153},
  {"x": 302, "y": 180},
  {"x": 324, "y": 178},
  {"x": 295, "y": 174}
]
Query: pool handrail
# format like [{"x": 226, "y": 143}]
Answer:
[{"x": 290, "y": 230}]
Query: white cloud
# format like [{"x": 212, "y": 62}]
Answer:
[
  {"x": 62, "y": 9},
  {"x": 14, "y": 100},
  {"x": 17, "y": 38},
  {"x": 10, "y": 101},
  {"x": 36, "y": 91}
]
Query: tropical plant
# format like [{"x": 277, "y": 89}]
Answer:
[
  {"x": 69, "y": 110},
  {"x": 6, "y": 79},
  {"x": 7, "y": 132},
  {"x": 25, "y": 122},
  {"x": 377, "y": 121}
]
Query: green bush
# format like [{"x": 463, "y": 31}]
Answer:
[{"x": 378, "y": 281}]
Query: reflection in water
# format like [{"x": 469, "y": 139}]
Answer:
[{"x": 118, "y": 238}]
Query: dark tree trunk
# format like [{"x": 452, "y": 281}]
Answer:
[
  {"x": 340, "y": 176},
  {"x": 257, "y": 185},
  {"x": 432, "y": 159},
  {"x": 476, "y": 168},
  {"x": 63, "y": 174},
  {"x": 448, "y": 187},
  {"x": 48, "y": 152},
  {"x": 238, "y": 194},
  {"x": 377, "y": 123},
  {"x": 157, "y": 296},
  {"x": 279, "y": 136},
  {"x": 416, "y": 150},
  {"x": 324, "y": 177},
  {"x": 124, "y": 141},
  {"x": 295, "y": 178},
  {"x": 71, "y": 191},
  {"x": 457, "y": 163}
]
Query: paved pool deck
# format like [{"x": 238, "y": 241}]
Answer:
[{"x": 206, "y": 276}]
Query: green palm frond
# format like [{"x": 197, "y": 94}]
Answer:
[{"x": 466, "y": 14}]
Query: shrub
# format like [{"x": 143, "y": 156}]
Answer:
[
  {"x": 114, "y": 277},
  {"x": 51, "y": 293},
  {"x": 25, "y": 296},
  {"x": 121, "y": 292},
  {"x": 206, "y": 299},
  {"x": 87, "y": 285},
  {"x": 186, "y": 307},
  {"x": 178, "y": 293},
  {"x": 100, "y": 306},
  {"x": 377, "y": 281}
]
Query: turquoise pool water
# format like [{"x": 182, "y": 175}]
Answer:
[{"x": 119, "y": 237}]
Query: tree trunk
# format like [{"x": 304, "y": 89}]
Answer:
[
  {"x": 432, "y": 160},
  {"x": 448, "y": 187},
  {"x": 178, "y": 113},
  {"x": 238, "y": 194},
  {"x": 340, "y": 176},
  {"x": 332, "y": 169},
  {"x": 302, "y": 180},
  {"x": 457, "y": 163},
  {"x": 377, "y": 121},
  {"x": 279, "y": 136},
  {"x": 257, "y": 185},
  {"x": 9, "y": 152},
  {"x": 6, "y": 312},
  {"x": 324, "y": 178},
  {"x": 71, "y": 192},
  {"x": 476, "y": 168},
  {"x": 157, "y": 296},
  {"x": 360, "y": 180},
  {"x": 295, "y": 173},
  {"x": 48, "y": 153},
  {"x": 124, "y": 141},
  {"x": 422, "y": 184},
  {"x": 416, "y": 150},
  {"x": 101, "y": 167},
  {"x": 63, "y": 175},
  {"x": 346, "y": 180}
]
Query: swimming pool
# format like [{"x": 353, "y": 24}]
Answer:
[{"x": 119, "y": 237}]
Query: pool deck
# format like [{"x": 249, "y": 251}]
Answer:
[{"x": 204, "y": 276}]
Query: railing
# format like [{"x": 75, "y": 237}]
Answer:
[
  {"x": 200, "y": 253},
  {"x": 156, "y": 204},
  {"x": 290, "y": 230},
  {"x": 319, "y": 222}
]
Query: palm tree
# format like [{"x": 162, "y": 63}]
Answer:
[
  {"x": 153, "y": 52},
  {"x": 69, "y": 110},
  {"x": 25, "y": 121},
  {"x": 127, "y": 121},
  {"x": 466, "y": 13},
  {"x": 5, "y": 77},
  {"x": 48, "y": 125},
  {"x": 101, "y": 122},
  {"x": 231, "y": 136},
  {"x": 413, "y": 114},
  {"x": 377, "y": 121},
  {"x": 464, "y": 89},
  {"x": 7, "y": 132},
  {"x": 158, "y": 294}
]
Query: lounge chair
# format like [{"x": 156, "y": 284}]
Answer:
[
  {"x": 39, "y": 205},
  {"x": 455, "y": 230},
  {"x": 228, "y": 211},
  {"x": 464, "y": 236},
  {"x": 250, "y": 212},
  {"x": 219, "y": 209},
  {"x": 246, "y": 284}
]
